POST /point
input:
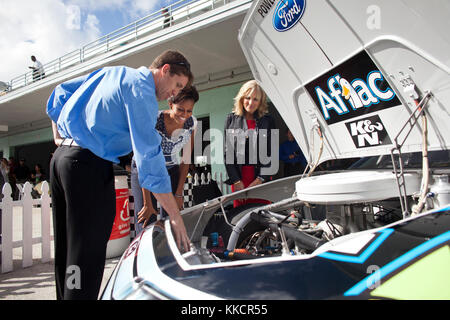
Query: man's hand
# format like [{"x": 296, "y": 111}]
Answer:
[
  {"x": 168, "y": 202},
  {"x": 180, "y": 233},
  {"x": 145, "y": 214}
]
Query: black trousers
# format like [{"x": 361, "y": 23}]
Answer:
[{"x": 83, "y": 205}]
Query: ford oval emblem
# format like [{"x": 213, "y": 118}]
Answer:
[{"x": 288, "y": 13}]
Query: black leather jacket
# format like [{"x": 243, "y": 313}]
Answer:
[{"x": 239, "y": 142}]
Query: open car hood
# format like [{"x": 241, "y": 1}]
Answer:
[{"x": 355, "y": 70}]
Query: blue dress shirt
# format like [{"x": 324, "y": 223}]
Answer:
[
  {"x": 289, "y": 147},
  {"x": 112, "y": 111}
]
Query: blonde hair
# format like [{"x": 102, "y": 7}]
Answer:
[{"x": 248, "y": 88}]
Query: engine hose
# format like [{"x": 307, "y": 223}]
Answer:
[
  {"x": 263, "y": 217},
  {"x": 240, "y": 225},
  {"x": 313, "y": 167},
  {"x": 303, "y": 239}
]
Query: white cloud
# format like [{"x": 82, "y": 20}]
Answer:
[
  {"x": 133, "y": 8},
  {"x": 47, "y": 29},
  {"x": 94, "y": 5},
  {"x": 50, "y": 29},
  {"x": 143, "y": 7}
]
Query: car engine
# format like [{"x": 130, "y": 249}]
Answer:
[{"x": 296, "y": 227}]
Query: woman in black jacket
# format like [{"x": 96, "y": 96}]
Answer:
[{"x": 248, "y": 128}]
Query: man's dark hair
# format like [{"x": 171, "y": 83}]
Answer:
[
  {"x": 178, "y": 64},
  {"x": 188, "y": 93}
]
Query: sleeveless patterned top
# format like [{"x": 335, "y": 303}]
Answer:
[{"x": 172, "y": 145}]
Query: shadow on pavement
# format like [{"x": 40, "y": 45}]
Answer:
[
  {"x": 33, "y": 283},
  {"x": 38, "y": 281}
]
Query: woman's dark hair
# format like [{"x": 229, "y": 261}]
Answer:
[{"x": 188, "y": 93}]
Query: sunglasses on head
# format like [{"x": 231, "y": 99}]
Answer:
[{"x": 184, "y": 64}]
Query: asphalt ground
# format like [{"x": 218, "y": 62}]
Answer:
[{"x": 38, "y": 281}]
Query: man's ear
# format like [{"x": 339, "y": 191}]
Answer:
[{"x": 165, "y": 68}]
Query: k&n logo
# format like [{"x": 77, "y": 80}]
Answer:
[{"x": 368, "y": 132}]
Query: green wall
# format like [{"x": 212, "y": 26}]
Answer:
[{"x": 218, "y": 103}]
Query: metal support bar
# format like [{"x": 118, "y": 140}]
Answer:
[{"x": 398, "y": 171}]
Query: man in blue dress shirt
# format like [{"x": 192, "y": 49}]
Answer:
[{"x": 96, "y": 119}]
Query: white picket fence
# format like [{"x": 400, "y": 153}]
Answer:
[
  {"x": 26, "y": 204},
  {"x": 203, "y": 179},
  {"x": 41, "y": 208}
]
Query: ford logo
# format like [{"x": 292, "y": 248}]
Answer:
[{"x": 288, "y": 13}]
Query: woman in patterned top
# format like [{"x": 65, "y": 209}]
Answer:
[{"x": 176, "y": 127}]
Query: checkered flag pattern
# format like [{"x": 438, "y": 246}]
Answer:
[{"x": 188, "y": 198}]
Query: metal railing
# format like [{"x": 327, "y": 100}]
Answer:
[{"x": 173, "y": 14}]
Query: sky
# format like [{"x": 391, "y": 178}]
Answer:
[{"x": 48, "y": 29}]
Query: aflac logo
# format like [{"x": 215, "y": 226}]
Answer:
[
  {"x": 288, "y": 13},
  {"x": 359, "y": 93}
]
